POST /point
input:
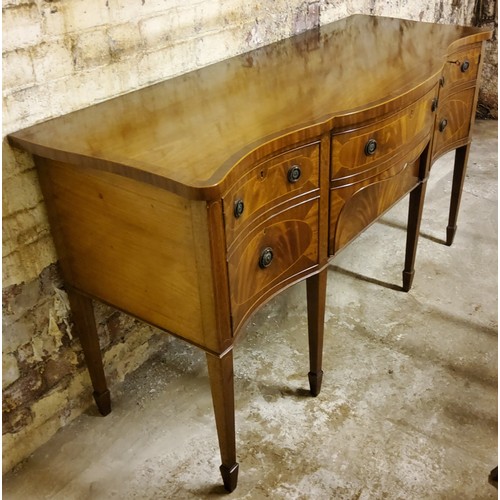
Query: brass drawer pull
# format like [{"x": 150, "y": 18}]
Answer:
[
  {"x": 434, "y": 104},
  {"x": 465, "y": 66},
  {"x": 266, "y": 257},
  {"x": 442, "y": 124},
  {"x": 294, "y": 174},
  {"x": 239, "y": 206},
  {"x": 370, "y": 147}
]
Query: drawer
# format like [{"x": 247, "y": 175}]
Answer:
[
  {"x": 461, "y": 67},
  {"x": 354, "y": 206},
  {"x": 365, "y": 149},
  {"x": 269, "y": 184},
  {"x": 453, "y": 121},
  {"x": 276, "y": 252}
]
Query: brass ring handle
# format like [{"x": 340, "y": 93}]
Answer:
[
  {"x": 266, "y": 257},
  {"x": 434, "y": 104},
  {"x": 294, "y": 174},
  {"x": 442, "y": 124},
  {"x": 239, "y": 206},
  {"x": 370, "y": 147}
]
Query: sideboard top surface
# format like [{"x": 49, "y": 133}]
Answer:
[{"x": 185, "y": 133}]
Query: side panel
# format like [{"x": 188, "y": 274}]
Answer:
[{"x": 134, "y": 246}]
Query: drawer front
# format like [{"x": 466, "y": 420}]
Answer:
[
  {"x": 354, "y": 206},
  {"x": 461, "y": 67},
  {"x": 365, "y": 149},
  {"x": 269, "y": 184},
  {"x": 453, "y": 121},
  {"x": 277, "y": 252}
]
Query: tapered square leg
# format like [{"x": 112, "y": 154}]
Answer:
[
  {"x": 459, "y": 170},
  {"x": 220, "y": 372},
  {"x": 414, "y": 218},
  {"x": 85, "y": 326},
  {"x": 316, "y": 301}
]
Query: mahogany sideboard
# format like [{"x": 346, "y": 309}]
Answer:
[{"x": 190, "y": 203}]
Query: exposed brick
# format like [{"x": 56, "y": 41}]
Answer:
[
  {"x": 52, "y": 60},
  {"x": 28, "y": 261},
  {"x": 80, "y": 15},
  {"x": 157, "y": 31},
  {"x": 21, "y": 192},
  {"x": 19, "y": 299},
  {"x": 91, "y": 49},
  {"x": 17, "y": 69},
  {"x": 23, "y": 391},
  {"x": 56, "y": 369},
  {"x": 124, "y": 41},
  {"x": 10, "y": 370},
  {"x": 170, "y": 61},
  {"x": 307, "y": 17},
  {"x": 16, "y": 420},
  {"x": 122, "y": 12},
  {"x": 24, "y": 229},
  {"x": 213, "y": 47},
  {"x": 53, "y": 19},
  {"x": 21, "y": 26},
  {"x": 18, "y": 334},
  {"x": 48, "y": 406},
  {"x": 14, "y": 161},
  {"x": 25, "y": 107}
]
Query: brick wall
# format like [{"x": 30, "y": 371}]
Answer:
[{"x": 61, "y": 55}]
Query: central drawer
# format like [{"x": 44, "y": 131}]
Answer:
[
  {"x": 360, "y": 153},
  {"x": 275, "y": 253}
]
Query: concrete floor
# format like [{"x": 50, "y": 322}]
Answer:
[{"x": 408, "y": 408}]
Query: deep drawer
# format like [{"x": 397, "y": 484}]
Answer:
[{"x": 274, "y": 253}]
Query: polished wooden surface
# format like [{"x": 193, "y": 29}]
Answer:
[
  {"x": 190, "y": 131},
  {"x": 142, "y": 249},
  {"x": 190, "y": 203}
]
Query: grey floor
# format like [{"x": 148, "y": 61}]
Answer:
[{"x": 408, "y": 408}]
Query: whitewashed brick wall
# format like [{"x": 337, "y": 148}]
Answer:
[{"x": 62, "y": 55}]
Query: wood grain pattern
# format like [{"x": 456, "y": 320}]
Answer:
[
  {"x": 267, "y": 186},
  {"x": 292, "y": 234},
  {"x": 453, "y": 72},
  {"x": 394, "y": 135},
  {"x": 140, "y": 190},
  {"x": 369, "y": 202},
  {"x": 238, "y": 106},
  {"x": 220, "y": 370},
  {"x": 132, "y": 245},
  {"x": 365, "y": 208},
  {"x": 456, "y": 109}
]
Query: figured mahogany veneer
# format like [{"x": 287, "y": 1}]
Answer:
[{"x": 190, "y": 203}]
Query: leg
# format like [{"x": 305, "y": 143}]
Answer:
[
  {"x": 84, "y": 322},
  {"x": 414, "y": 217},
  {"x": 461, "y": 157},
  {"x": 316, "y": 298},
  {"x": 220, "y": 372}
]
